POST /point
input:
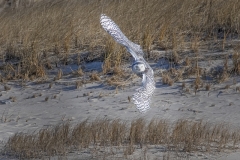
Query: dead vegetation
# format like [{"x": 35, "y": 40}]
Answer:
[
  {"x": 79, "y": 72},
  {"x": 48, "y": 34},
  {"x": 94, "y": 77},
  {"x": 59, "y": 75},
  {"x": 182, "y": 136},
  {"x": 6, "y": 88},
  {"x": 79, "y": 84},
  {"x": 120, "y": 81}
]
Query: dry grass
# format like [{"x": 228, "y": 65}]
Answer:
[
  {"x": 183, "y": 85},
  {"x": 187, "y": 61},
  {"x": 79, "y": 72},
  {"x": 79, "y": 84},
  {"x": 237, "y": 89},
  {"x": 208, "y": 87},
  {"x": 46, "y": 98},
  {"x": 120, "y": 80},
  {"x": 223, "y": 76},
  {"x": 94, "y": 77},
  {"x": 34, "y": 37},
  {"x": 50, "y": 85},
  {"x": 166, "y": 79},
  {"x": 13, "y": 99},
  {"x": 181, "y": 136},
  {"x": 59, "y": 75},
  {"x": 227, "y": 87},
  {"x": 236, "y": 63},
  {"x": 6, "y": 88}
]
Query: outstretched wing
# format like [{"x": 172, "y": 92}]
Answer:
[
  {"x": 113, "y": 29},
  {"x": 142, "y": 97}
]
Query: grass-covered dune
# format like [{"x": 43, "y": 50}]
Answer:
[{"x": 33, "y": 33}]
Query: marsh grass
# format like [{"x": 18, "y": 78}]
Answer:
[
  {"x": 236, "y": 63},
  {"x": 181, "y": 136},
  {"x": 7, "y": 88},
  {"x": 79, "y": 84},
  {"x": 120, "y": 80},
  {"x": 166, "y": 79},
  {"x": 78, "y": 72},
  {"x": 36, "y": 36},
  {"x": 94, "y": 77},
  {"x": 59, "y": 75},
  {"x": 208, "y": 87}
]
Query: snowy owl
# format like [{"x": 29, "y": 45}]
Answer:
[{"x": 140, "y": 67}]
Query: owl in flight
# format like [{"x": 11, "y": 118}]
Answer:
[{"x": 143, "y": 95}]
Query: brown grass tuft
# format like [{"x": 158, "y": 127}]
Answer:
[
  {"x": 236, "y": 62},
  {"x": 129, "y": 99},
  {"x": 50, "y": 85},
  {"x": 187, "y": 61},
  {"x": 198, "y": 81},
  {"x": 46, "y": 98},
  {"x": 59, "y": 75},
  {"x": 6, "y": 88},
  {"x": 166, "y": 79},
  {"x": 147, "y": 40},
  {"x": 94, "y": 77},
  {"x": 79, "y": 72},
  {"x": 223, "y": 76},
  {"x": 227, "y": 87},
  {"x": 13, "y": 99},
  {"x": 208, "y": 87},
  {"x": 79, "y": 84},
  {"x": 183, "y": 85},
  {"x": 237, "y": 89}
]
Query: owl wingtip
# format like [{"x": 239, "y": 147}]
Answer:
[{"x": 103, "y": 15}]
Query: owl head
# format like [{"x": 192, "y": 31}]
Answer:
[{"x": 138, "y": 67}]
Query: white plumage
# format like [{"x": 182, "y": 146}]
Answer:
[
  {"x": 143, "y": 95},
  {"x": 138, "y": 68}
]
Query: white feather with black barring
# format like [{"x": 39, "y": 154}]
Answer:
[{"x": 142, "y": 97}]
